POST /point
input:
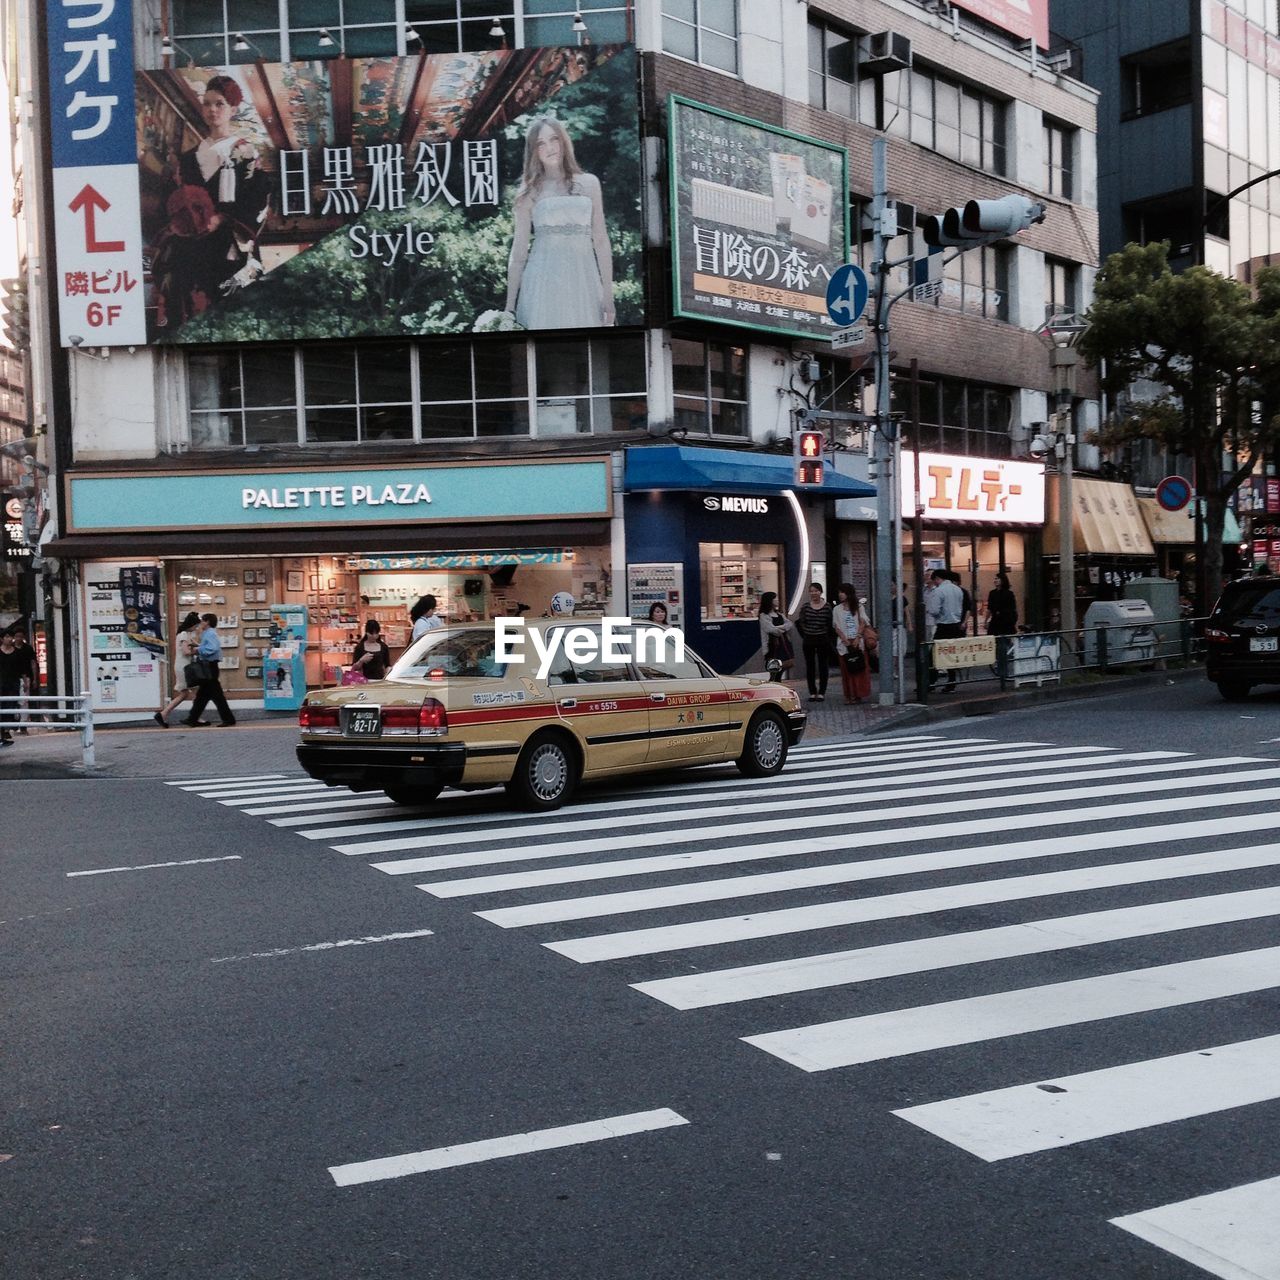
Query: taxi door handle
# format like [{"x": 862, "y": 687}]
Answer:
[
  {"x": 568, "y": 703},
  {"x": 657, "y": 697}
]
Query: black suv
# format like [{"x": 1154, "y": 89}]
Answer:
[{"x": 1242, "y": 637}]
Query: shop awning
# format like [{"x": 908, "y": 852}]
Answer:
[
  {"x": 1106, "y": 519},
  {"x": 1176, "y": 527},
  {"x": 677, "y": 466}
]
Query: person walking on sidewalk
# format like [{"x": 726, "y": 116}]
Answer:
[
  {"x": 946, "y": 611},
  {"x": 814, "y": 624},
  {"x": 209, "y": 651},
  {"x": 184, "y": 649},
  {"x": 13, "y": 666}
]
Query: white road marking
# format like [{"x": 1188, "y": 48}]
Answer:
[
  {"x": 205, "y": 782},
  {"x": 259, "y": 789},
  {"x": 325, "y": 946},
  {"x": 151, "y": 866},
  {"x": 376, "y": 810},
  {"x": 848, "y": 1042},
  {"x": 1233, "y": 1234},
  {"x": 790, "y": 846},
  {"x": 875, "y": 744},
  {"x": 518, "y": 1144},
  {"x": 1001, "y": 1123},
  {"x": 823, "y": 796},
  {"x": 978, "y": 946},
  {"x": 885, "y": 906},
  {"x": 335, "y": 799},
  {"x": 315, "y": 794}
]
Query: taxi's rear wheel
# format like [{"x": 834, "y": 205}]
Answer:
[
  {"x": 415, "y": 795},
  {"x": 765, "y": 750},
  {"x": 546, "y": 773}
]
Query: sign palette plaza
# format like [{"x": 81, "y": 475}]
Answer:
[
  {"x": 346, "y": 497},
  {"x": 759, "y": 221},
  {"x": 346, "y": 197}
]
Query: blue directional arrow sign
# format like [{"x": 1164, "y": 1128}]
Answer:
[{"x": 847, "y": 294}]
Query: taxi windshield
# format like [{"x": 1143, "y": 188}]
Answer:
[{"x": 468, "y": 654}]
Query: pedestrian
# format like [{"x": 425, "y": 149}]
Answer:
[
  {"x": 849, "y": 621},
  {"x": 184, "y": 649},
  {"x": 1002, "y": 608},
  {"x": 12, "y": 667},
  {"x": 946, "y": 612},
  {"x": 658, "y": 613},
  {"x": 424, "y": 617},
  {"x": 30, "y": 676},
  {"x": 814, "y": 624},
  {"x": 371, "y": 657},
  {"x": 966, "y": 599},
  {"x": 209, "y": 652},
  {"x": 774, "y": 626}
]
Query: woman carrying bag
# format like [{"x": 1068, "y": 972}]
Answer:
[
  {"x": 852, "y": 634},
  {"x": 774, "y": 629}
]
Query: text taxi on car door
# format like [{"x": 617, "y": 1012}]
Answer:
[{"x": 457, "y": 711}]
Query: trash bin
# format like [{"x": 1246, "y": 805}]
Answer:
[
  {"x": 1131, "y": 636},
  {"x": 1162, "y": 595}
]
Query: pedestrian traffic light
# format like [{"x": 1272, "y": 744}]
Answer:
[
  {"x": 807, "y": 447},
  {"x": 979, "y": 222}
]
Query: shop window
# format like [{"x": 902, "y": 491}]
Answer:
[
  {"x": 734, "y": 577},
  {"x": 710, "y": 382},
  {"x": 704, "y": 31}
]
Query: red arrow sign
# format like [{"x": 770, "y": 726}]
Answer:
[{"x": 91, "y": 201}]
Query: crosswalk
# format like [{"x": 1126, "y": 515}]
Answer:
[{"x": 869, "y": 868}]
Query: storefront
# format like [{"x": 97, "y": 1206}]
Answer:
[
  {"x": 1111, "y": 543},
  {"x": 1173, "y": 535},
  {"x": 981, "y": 517},
  {"x": 710, "y": 531},
  {"x": 1258, "y": 501},
  {"x": 344, "y": 546}
]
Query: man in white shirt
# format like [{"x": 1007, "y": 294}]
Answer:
[{"x": 944, "y": 607}]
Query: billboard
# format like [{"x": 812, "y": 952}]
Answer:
[
  {"x": 964, "y": 490},
  {"x": 1026, "y": 18},
  {"x": 390, "y": 197},
  {"x": 759, "y": 221}
]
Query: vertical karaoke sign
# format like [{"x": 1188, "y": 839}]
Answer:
[{"x": 97, "y": 215}]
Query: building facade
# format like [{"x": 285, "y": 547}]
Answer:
[{"x": 282, "y": 368}]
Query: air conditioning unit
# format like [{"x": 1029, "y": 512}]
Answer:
[{"x": 883, "y": 52}]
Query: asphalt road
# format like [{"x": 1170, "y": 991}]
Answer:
[{"x": 198, "y": 1085}]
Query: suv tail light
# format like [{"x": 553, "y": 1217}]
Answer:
[
  {"x": 317, "y": 717},
  {"x": 432, "y": 717},
  {"x": 1217, "y": 636}
]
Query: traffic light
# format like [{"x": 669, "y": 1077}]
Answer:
[
  {"x": 16, "y": 323},
  {"x": 807, "y": 448},
  {"x": 978, "y": 222}
]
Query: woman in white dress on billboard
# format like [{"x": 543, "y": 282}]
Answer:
[{"x": 565, "y": 280}]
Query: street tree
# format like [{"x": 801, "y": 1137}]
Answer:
[{"x": 1213, "y": 347}]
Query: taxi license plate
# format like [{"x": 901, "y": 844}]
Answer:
[
  {"x": 364, "y": 722},
  {"x": 1267, "y": 644}
]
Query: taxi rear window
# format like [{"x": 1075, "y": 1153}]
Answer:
[{"x": 464, "y": 654}]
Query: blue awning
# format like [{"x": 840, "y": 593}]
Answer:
[{"x": 677, "y": 466}]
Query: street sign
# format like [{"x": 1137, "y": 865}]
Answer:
[
  {"x": 850, "y": 337},
  {"x": 1173, "y": 493},
  {"x": 847, "y": 293}
]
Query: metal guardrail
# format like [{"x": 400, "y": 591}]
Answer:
[
  {"x": 68, "y": 712},
  {"x": 1036, "y": 658}
]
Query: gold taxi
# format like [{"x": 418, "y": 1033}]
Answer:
[{"x": 457, "y": 710}]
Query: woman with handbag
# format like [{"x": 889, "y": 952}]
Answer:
[
  {"x": 184, "y": 649},
  {"x": 371, "y": 657},
  {"x": 850, "y": 627},
  {"x": 774, "y": 626}
]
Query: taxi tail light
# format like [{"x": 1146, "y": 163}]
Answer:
[
  {"x": 310, "y": 717},
  {"x": 400, "y": 718},
  {"x": 432, "y": 717}
]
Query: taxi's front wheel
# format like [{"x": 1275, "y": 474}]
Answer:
[
  {"x": 765, "y": 750},
  {"x": 546, "y": 773}
]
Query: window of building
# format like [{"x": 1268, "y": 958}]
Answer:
[
  {"x": 704, "y": 31},
  {"x": 208, "y": 30},
  {"x": 833, "y": 71},
  {"x": 1061, "y": 287},
  {"x": 956, "y": 416},
  {"x": 943, "y": 115},
  {"x": 734, "y": 577},
  {"x": 977, "y": 282},
  {"x": 1156, "y": 80},
  {"x": 447, "y": 390},
  {"x": 1059, "y": 144},
  {"x": 710, "y": 382}
]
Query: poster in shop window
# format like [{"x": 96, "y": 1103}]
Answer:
[
  {"x": 759, "y": 221},
  {"x": 382, "y": 197}
]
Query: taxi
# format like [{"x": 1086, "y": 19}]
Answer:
[{"x": 458, "y": 711}]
